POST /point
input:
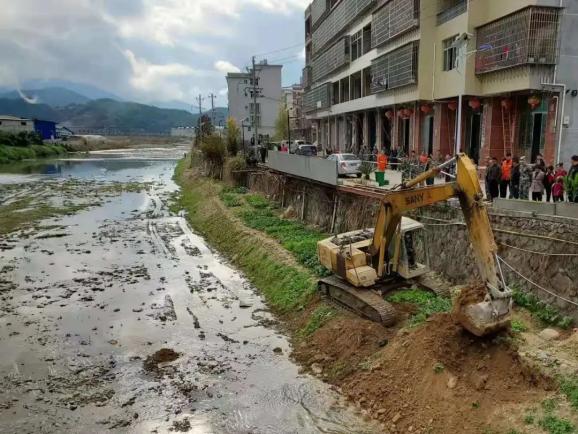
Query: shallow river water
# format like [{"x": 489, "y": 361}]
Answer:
[{"x": 88, "y": 298}]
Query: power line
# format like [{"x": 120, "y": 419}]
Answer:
[{"x": 302, "y": 44}]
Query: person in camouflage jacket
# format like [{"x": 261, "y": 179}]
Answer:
[{"x": 525, "y": 179}]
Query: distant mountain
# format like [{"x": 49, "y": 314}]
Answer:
[
  {"x": 52, "y": 96},
  {"x": 88, "y": 90},
  {"x": 108, "y": 114}
]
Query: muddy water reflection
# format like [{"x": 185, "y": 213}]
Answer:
[{"x": 88, "y": 297}]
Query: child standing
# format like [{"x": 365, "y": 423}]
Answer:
[{"x": 558, "y": 190}]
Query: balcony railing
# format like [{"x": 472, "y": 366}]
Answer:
[{"x": 453, "y": 11}]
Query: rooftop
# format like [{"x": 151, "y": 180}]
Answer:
[{"x": 12, "y": 118}]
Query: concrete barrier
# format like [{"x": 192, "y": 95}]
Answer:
[
  {"x": 562, "y": 209},
  {"x": 317, "y": 169},
  {"x": 567, "y": 209}
]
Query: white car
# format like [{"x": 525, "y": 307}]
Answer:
[{"x": 347, "y": 164}]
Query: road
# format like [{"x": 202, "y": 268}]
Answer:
[{"x": 118, "y": 317}]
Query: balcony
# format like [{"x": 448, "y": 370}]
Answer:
[
  {"x": 394, "y": 19},
  {"x": 395, "y": 69},
  {"x": 450, "y": 12},
  {"x": 526, "y": 37}
]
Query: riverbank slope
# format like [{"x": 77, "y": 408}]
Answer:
[{"x": 423, "y": 375}]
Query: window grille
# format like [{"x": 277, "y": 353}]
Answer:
[
  {"x": 333, "y": 58},
  {"x": 452, "y": 10},
  {"x": 317, "y": 98},
  {"x": 395, "y": 69},
  {"x": 529, "y": 36},
  {"x": 337, "y": 20},
  {"x": 357, "y": 45},
  {"x": 393, "y": 19}
]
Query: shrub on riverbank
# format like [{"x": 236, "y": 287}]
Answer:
[{"x": 9, "y": 154}]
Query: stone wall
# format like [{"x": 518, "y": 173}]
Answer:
[{"x": 449, "y": 248}]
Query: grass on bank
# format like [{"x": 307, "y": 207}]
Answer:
[
  {"x": 259, "y": 213},
  {"x": 541, "y": 310},
  {"x": 286, "y": 287},
  {"x": 9, "y": 154},
  {"x": 428, "y": 303}
]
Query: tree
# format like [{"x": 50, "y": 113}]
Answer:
[
  {"x": 233, "y": 133},
  {"x": 282, "y": 123}
]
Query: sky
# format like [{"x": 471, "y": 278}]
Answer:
[{"x": 148, "y": 50}]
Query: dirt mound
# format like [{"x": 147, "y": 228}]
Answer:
[
  {"x": 440, "y": 379},
  {"x": 471, "y": 295},
  {"x": 164, "y": 355}
]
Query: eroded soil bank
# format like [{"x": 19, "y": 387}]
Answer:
[
  {"x": 116, "y": 317},
  {"x": 419, "y": 376}
]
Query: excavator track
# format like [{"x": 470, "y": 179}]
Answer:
[{"x": 364, "y": 302}]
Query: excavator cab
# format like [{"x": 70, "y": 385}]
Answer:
[{"x": 409, "y": 255}]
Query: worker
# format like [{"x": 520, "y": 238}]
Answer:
[
  {"x": 382, "y": 161},
  {"x": 571, "y": 180},
  {"x": 506, "y": 175},
  {"x": 493, "y": 176}
]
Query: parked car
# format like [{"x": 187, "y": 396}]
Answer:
[
  {"x": 294, "y": 145},
  {"x": 307, "y": 150},
  {"x": 347, "y": 164}
]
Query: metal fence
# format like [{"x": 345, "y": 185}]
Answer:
[
  {"x": 333, "y": 58},
  {"x": 529, "y": 36},
  {"x": 393, "y": 19},
  {"x": 318, "y": 98},
  {"x": 395, "y": 69}
]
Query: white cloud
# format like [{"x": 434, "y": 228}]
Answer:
[
  {"x": 224, "y": 92},
  {"x": 225, "y": 66}
]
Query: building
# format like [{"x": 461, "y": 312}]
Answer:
[
  {"x": 399, "y": 74},
  {"x": 46, "y": 129},
  {"x": 14, "y": 125},
  {"x": 269, "y": 98},
  {"x": 299, "y": 125}
]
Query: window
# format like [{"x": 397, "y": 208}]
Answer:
[
  {"x": 356, "y": 45},
  {"x": 256, "y": 119},
  {"x": 367, "y": 38},
  {"x": 23, "y": 123},
  {"x": 256, "y": 82},
  {"x": 450, "y": 53},
  {"x": 252, "y": 107}
]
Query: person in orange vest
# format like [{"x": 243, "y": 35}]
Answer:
[
  {"x": 381, "y": 161},
  {"x": 506, "y": 175}
]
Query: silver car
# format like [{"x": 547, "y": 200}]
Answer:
[{"x": 347, "y": 164}]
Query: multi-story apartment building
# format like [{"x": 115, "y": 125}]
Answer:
[
  {"x": 299, "y": 125},
  {"x": 400, "y": 73},
  {"x": 269, "y": 97}
]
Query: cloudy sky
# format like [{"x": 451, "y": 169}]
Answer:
[{"x": 148, "y": 50}]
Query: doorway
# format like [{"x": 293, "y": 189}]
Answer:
[
  {"x": 475, "y": 137},
  {"x": 537, "y": 135},
  {"x": 386, "y": 135},
  {"x": 371, "y": 121},
  {"x": 427, "y": 134}
]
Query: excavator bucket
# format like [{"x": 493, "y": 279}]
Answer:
[{"x": 482, "y": 317}]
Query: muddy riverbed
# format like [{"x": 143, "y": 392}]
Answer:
[{"x": 116, "y": 316}]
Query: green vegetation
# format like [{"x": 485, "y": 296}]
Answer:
[
  {"x": 282, "y": 123},
  {"x": 23, "y": 213},
  {"x": 427, "y": 302},
  {"x": 439, "y": 368},
  {"x": 529, "y": 419},
  {"x": 321, "y": 315},
  {"x": 25, "y": 145},
  {"x": 518, "y": 326},
  {"x": 549, "y": 405},
  {"x": 286, "y": 287},
  {"x": 214, "y": 153},
  {"x": 555, "y": 425},
  {"x": 544, "y": 312},
  {"x": 569, "y": 387},
  {"x": 233, "y": 134}
]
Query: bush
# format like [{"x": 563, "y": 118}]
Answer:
[
  {"x": 214, "y": 153},
  {"x": 234, "y": 167}
]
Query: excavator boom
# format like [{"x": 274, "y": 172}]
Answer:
[{"x": 365, "y": 264}]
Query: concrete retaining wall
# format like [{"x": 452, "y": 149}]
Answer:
[
  {"x": 317, "y": 169},
  {"x": 523, "y": 239}
]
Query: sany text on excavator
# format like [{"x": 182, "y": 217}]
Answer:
[{"x": 369, "y": 262}]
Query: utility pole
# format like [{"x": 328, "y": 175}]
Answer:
[
  {"x": 212, "y": 96},
  {"x": 255, "y": 90},
  {"x": 200, "y": 130},
  {"x": 288, "y": 127}
]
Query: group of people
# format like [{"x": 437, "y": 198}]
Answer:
[{"x": 514, "y": 175}]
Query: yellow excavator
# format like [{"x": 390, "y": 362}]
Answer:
[{"x": 368, "y": 263}]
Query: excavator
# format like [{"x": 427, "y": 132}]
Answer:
[{"x": 368, "y": 263}]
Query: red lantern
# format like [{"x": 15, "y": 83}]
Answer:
[
  {"x": 400, "y": 112},
  {"x": 389, "y": 114},
  {"x": 452, "y": 105},
  {"x": 506, "y": 103},
  {"x": 426, "y": 108},
  {"x": 534, "y": 101},
  {"x": 474, "y": 103}
]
